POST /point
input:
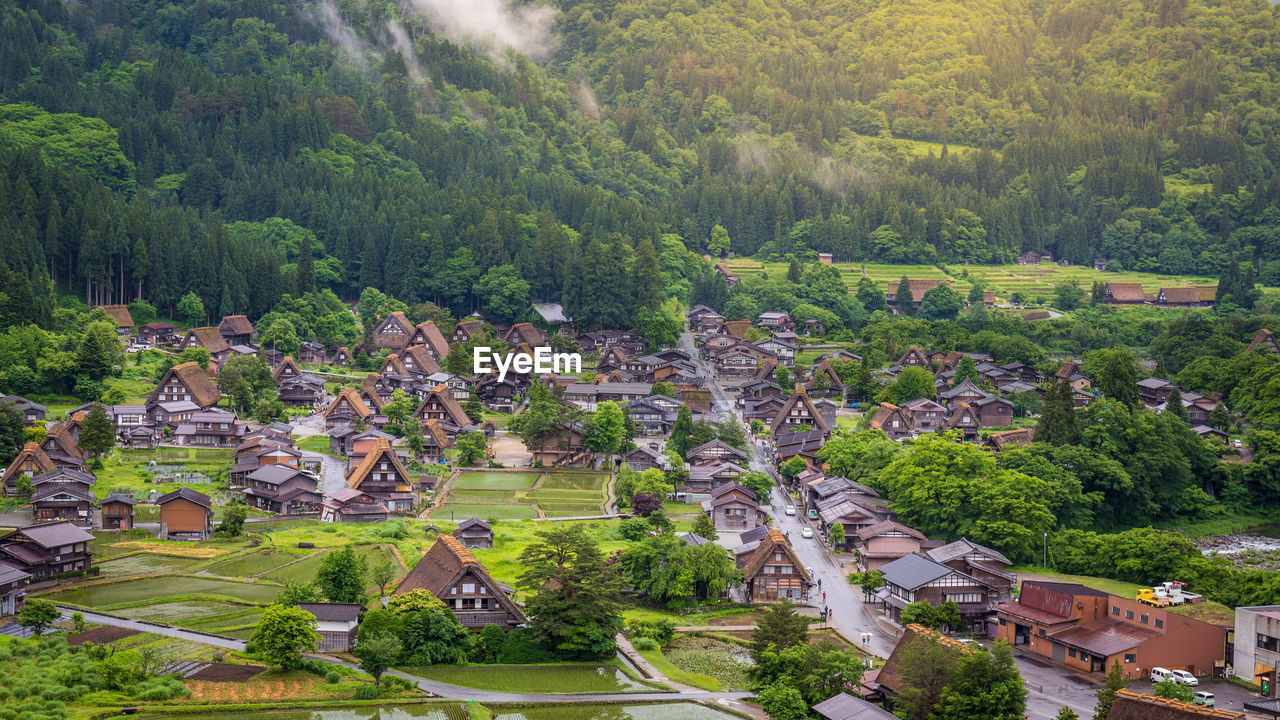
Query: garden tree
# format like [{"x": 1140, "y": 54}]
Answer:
[
  {"x": 1067, "y": 295},
  {"x": 416, "y": 600},
  {"x": 1066, "y": 713},
  {"x": 645, "y": 504},
  {"x": 675, "y": 574},
  {"x": 966, "y": 368},
  {"x": 783, "y": 702},
  {"x": 986, "y": 685},
  {"x": 233, "y": 518},
  {"x": 97, "y": 434},
  {"x": 378, "y": 653},
  {"x": 606, "y": 430},
  {"x": 280, "y": 334},
  {"x": 1220, "y": 418},
  {"x": 433, "y": 637},
  {"x": 941, "y": 303},
  {"x": 682, "y": 430},
  {"x": 704, "y": 528},
  {"x": 794, "y": 271},
  {"x": 662, "y": 387},
  {"x": 544, "y": 417},
  {"x": 1107, "y": 693},
  {"x": 299, "y": 592},
  {"x": 1115, "y": 373},
  {"x": 634, "y": 528},
  {"x": 779, "y": 626},
  {"x": 836, "y": 536},
  {"x": 822, "y": 384},
  {"x": 1057, "y": 423},
  {"x": 790, "y": 469},
  {"x": 757, "y": 482},
  {"x": 246, "y": 380},
  {"x": 919, "y": 613},
  {"x": 858, "y": 456},
  {"x": 268, "y": 410},
  {"x": 284, "y": 634},
  {"x": 952, "y": 490},
  {"x": 912, "y": 383},
  {"x": 1173, "y": 405},
  {"x": 927, "y": 669},
  {"x": 100, "y": 353},
  {"x": 489, "y": 644},
  {"x": 37, "y": 615},
  {"x": 977, "y": 292},
  {"x": 870, "y": 581},
  {"x": 782, "y": 376},
  {"x": 470, "y": 448},
  {"x": 906, "y": 300},
  {"x": 191, "y": 308},
  {"x": 12, "y": 432},
  {"x": 654, "y": 482},
  {"x": 718, "y": 245},
  {"x": 382, "y": 574},
  {"x": 870, "y": 295},
  {"x": 504, "y": 294},
  {"x": 1098, "y": 293},
  {"x": 341, "y": 575},
  {"x": 399, "y": 409},
  {"x": 1172, "y": 689},
  {"x": 574, "y": 609},
  {"x": 818, "y": 670},
  {"x": 624, "y": 487}
]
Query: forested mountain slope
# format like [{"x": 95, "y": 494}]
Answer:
[{"x": 154, "y": 147}]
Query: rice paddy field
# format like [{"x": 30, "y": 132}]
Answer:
[
  {"x": 450, "y": 711},
  {"x": 145, "y": 563},
  {"x": 106, "y": 595},
  {"x": 666, "y": 711},
  {"x": 1030, "y": 280},
  {"x": 559, "y": 679},
  {"x": 522, "y": 496},
  {"x": 253, "y": 564},
  {"x": 305, "y": 568}
]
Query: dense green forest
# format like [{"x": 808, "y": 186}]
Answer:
[{"x": 150, "y": 148}]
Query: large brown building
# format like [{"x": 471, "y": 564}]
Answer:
[
  {"x": 1090, "y": 630},
  {"x": 450, "y": 572},
  {"x": 185, "y": 515},
  {"x": 772, "y": 572},
  {"x": 383, "y": 476}
]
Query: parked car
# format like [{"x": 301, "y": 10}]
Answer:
[
  {"x": 1159, "y": 674},
  {"x": 1203, "y": 698},
  {"x": 806, "y": 532},
  {"x": 813, "y": 514},
  {"x": 790, "y": 509},
  {"x": 1184, "y": 677}
]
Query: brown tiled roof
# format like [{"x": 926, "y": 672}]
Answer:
[
  {"x": 1180, "y": 295},
  {"x": 394, "y": 365},
  {"x": 434, "y": 338},
  {"x": 1067, "y": 369},
  {"x": 236, "y": 325},
  {"x": 450, "y": 403},
  {"x": 394, "y": 340},
  {"x": 353, "y": 398},
  {"x": 1128, "y": 291},
  {"x": 962, "y": 410},
  {"x": 422, "y": 359},
  {"x": 381, "y": 448},
  {"x": 774, "y": 539},
  {"x": 443, "y": 564},
  {"x": 54, "y": 534},
  {"x": 1130, "y": 705},
  {"x": 210, "y": 339},
  {"x": 737, "y": 328},
  {"x": 187, "y": 494},
  {"x": 201, "y": 387},
  {"x": 30, "y": 453},
  {"x": 880, "y": 528},
  {"x": 119, "y": 313}
]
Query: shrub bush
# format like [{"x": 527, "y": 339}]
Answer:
[
  {"x": 645, "y": 643},
  {"x": 366, "y": 692},
  {"x": 332, "y": 677},
  {"x": 660, "y": 631}
]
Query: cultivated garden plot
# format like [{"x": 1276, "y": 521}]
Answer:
[
  {"x": 514, "y": 496},
  {"x": 450, "y": 711},
  {"x": 557, "y": 679}
]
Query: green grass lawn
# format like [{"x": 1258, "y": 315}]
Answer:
[
  {"x": 674, "y": 673},
  {"x": 315, "y": 443},
  {"x": 537, "y": 678},
  {"x": 157, "y": 588},
  {"x": 457, "y": 512},
  {"x": 130, "y": 470}
]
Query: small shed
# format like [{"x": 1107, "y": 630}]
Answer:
[
  {"x": 117, "y": 511},
  {"x": 185, "y": 515},
  {"x": 474, "y": 533},
  {"x": 336, "y": 623}
]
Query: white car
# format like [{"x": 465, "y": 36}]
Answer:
[
  {"x": 1184, "y": 677},
  {"x": 806, "y": 532},
  {"x": 790, "y": 509}
]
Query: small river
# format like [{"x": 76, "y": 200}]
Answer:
[{"x": 1264, "y": 538}]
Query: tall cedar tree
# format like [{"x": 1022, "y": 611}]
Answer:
[
  {"x": 12, "y": 435},
  {"x": 906, "y": 301},
  {"x": 646, "y": 276},
  {"x": 575, "y": 610},
  {"x": 96, "y": 432},
  {"x": 1057, "y": 424},
  {"x": 306, "y": 278},
  {"x": 780, "y": 626},
  {"x": 682, "y": 432},
  {"x": 1174, "y": 405},
  {"x": 1115, "y": 372}
]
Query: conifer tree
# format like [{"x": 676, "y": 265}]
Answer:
[
  {"x": 1174, "y": 405},
  {"x": 906, "y": 302},
  {"x": 1057, "y": 424},
  {"x": 96, "y": 433}
]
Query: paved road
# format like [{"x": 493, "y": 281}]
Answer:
[
  {"x": 333, "y": 471},
  {"x": 437, "y": 688}
]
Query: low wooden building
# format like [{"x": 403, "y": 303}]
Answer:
[
  {"x": 451, "y": 573},
  {"x": 735, "y": 508},
  {"x": 383, "y": 476},
  {"x": 773, "y": 572},
  {"x": 336, "y": 623},
  {"x": 13, "y": 588},
  {"x": 351, "y": 505},
  {"x": 474, "y": 533},
  {"x": 117, "y": 511},
  {"x": 282, "y": 490},
  {"x": 185, "y": 515},
  {"x": 47, "y": 550},
  {"x": 30, "y": 461}
]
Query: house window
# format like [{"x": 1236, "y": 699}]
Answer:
[
  {"x": 468, "y": 588},
  {"x": 1071, "y": 652},
  {"x": 1128, "y": 614},
  {"x": 1084, "y": 656},
  {"x": 1266, "y": 642},
  {"x": 1142, "y": 618},
  {"x": 1040, "y": 632},
  {"x": 1159, "y": 623},
  {"x": 1130, "y": 658},
  {"x": 1115, "y": 610}
]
